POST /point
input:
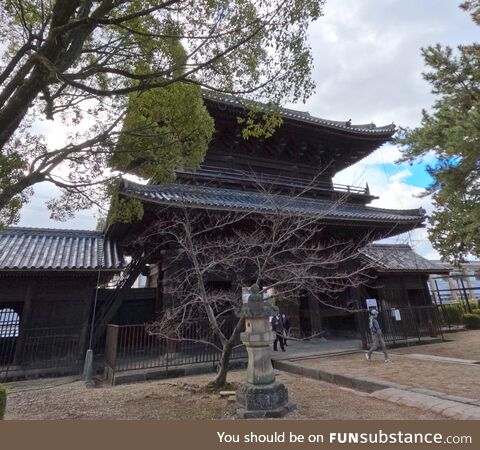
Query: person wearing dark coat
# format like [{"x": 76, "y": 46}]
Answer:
[
  {"x": 277, "y": 328},
  {"x": 286, "y": 328}
]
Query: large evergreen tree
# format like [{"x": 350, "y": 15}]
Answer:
[{"x": 452, "y": 132}]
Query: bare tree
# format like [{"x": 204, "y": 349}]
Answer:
[{"x": 280, "y": 248}]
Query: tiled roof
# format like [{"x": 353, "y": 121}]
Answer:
[
  {"x": 400, "y": 258},
  {"x": 302, "y": 116},
  {"x": 225, "y": 199},
  {"x": 40, "y": 249}
]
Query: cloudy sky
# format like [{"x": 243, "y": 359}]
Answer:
[{"x": 367, "y": 68}]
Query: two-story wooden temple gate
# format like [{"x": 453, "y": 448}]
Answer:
[{"x": 49, "y": 274}]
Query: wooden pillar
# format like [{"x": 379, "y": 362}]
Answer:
[
  {"x": 315, "y": 315},
  {"x": 83, "y": 344},
  {"x": 25, "y": 322}
]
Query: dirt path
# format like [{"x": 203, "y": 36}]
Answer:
[
  {"x": 184, "y": 398},
  {"x": 463, "y": 345},
  {"x": 454, "y": 379}
]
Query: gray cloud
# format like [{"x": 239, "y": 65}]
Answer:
[
  {"x": 368, "y": 68},
  {"x": 367, "y": 56}
]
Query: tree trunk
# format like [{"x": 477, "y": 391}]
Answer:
[
  {"x": 221, "y": 377},
  {"x": 25, "y": 90}
]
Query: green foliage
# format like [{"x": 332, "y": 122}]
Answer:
[
  {"x": 124, "y": 209},
  {"x": 472, "y": 321},
  {"x": 452, "y": 314},
  {"x": 473, "y": 304},
  {"x": 101, "y": 224},
  {"x": 164, "y": 129},
  {"x": 452, "y": 132},
  {"x": 476, "y": 311},
  {"x": 259, "y": 125},
  {"x": 3, "y": 401},
  {"x": 143, "y": 61},
  {"x": 473, "y": 6},
  {"x": 11, "y": 166}
]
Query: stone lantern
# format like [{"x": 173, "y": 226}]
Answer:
[{"x": 261, "y": 396}]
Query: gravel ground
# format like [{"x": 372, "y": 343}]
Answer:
[
  {"x": 463, "y": 345},
  {"x": 453, "y": 379},
  {"x": 185, "y": 398}
]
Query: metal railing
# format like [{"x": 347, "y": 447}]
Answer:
[
  {"x": 453, "y": 295},
  {"x": 131, "y": 347},
  {"x": 46, "y": 350},
  {"x": 407, "y": 324},
  {"x": 223, "y": 173}
]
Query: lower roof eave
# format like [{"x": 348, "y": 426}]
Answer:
[
  {"x": 413, "y": 271},
  {"x": 412, "y": 223},
  {"x": 18, "y": 271}
]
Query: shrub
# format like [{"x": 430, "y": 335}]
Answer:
[
  {"x": 473, "y": 304},
  {"x": 476, "y": 311},
  {"x": 452, "y": 314},
  {"x": 472, "y": 321},
  {"x": 3, "y": 400}
]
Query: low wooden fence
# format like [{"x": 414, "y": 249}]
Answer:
[
  {"x": 404, "y": 324},
  {"x": 131, "y": 347}
]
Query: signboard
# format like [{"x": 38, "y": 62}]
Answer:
[
  {"x": 372, "y": 303},
  {"x": 397, "y": 315}
]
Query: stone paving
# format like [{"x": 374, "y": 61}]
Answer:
[
  {"x": 447, "y": 408},
  {"x": 317, "y": 347}
]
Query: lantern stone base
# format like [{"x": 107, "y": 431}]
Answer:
[{"x": 264, "y": 401}]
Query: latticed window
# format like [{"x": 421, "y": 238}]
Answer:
[{"x": 9, "y": 323}]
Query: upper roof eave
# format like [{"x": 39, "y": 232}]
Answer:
[{"x": 369, "y": 130}]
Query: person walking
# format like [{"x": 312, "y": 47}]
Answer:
[
  {"x": 277, "y": 328},
  {"x": 377, "y": 336},
  {"x": 286, "y": 328}
]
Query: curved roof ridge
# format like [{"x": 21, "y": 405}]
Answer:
[
  {"x": 406, "y": 246},
  {"x": 49, "y": 230},
  {"x": 302, "y": 116}
]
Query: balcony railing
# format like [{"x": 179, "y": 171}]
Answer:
[{"x": 228, "y": 175}]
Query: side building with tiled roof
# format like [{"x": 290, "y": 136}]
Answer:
[
  {"x": 403, "y": 275},
  {"x": 47, "y": 283}
]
